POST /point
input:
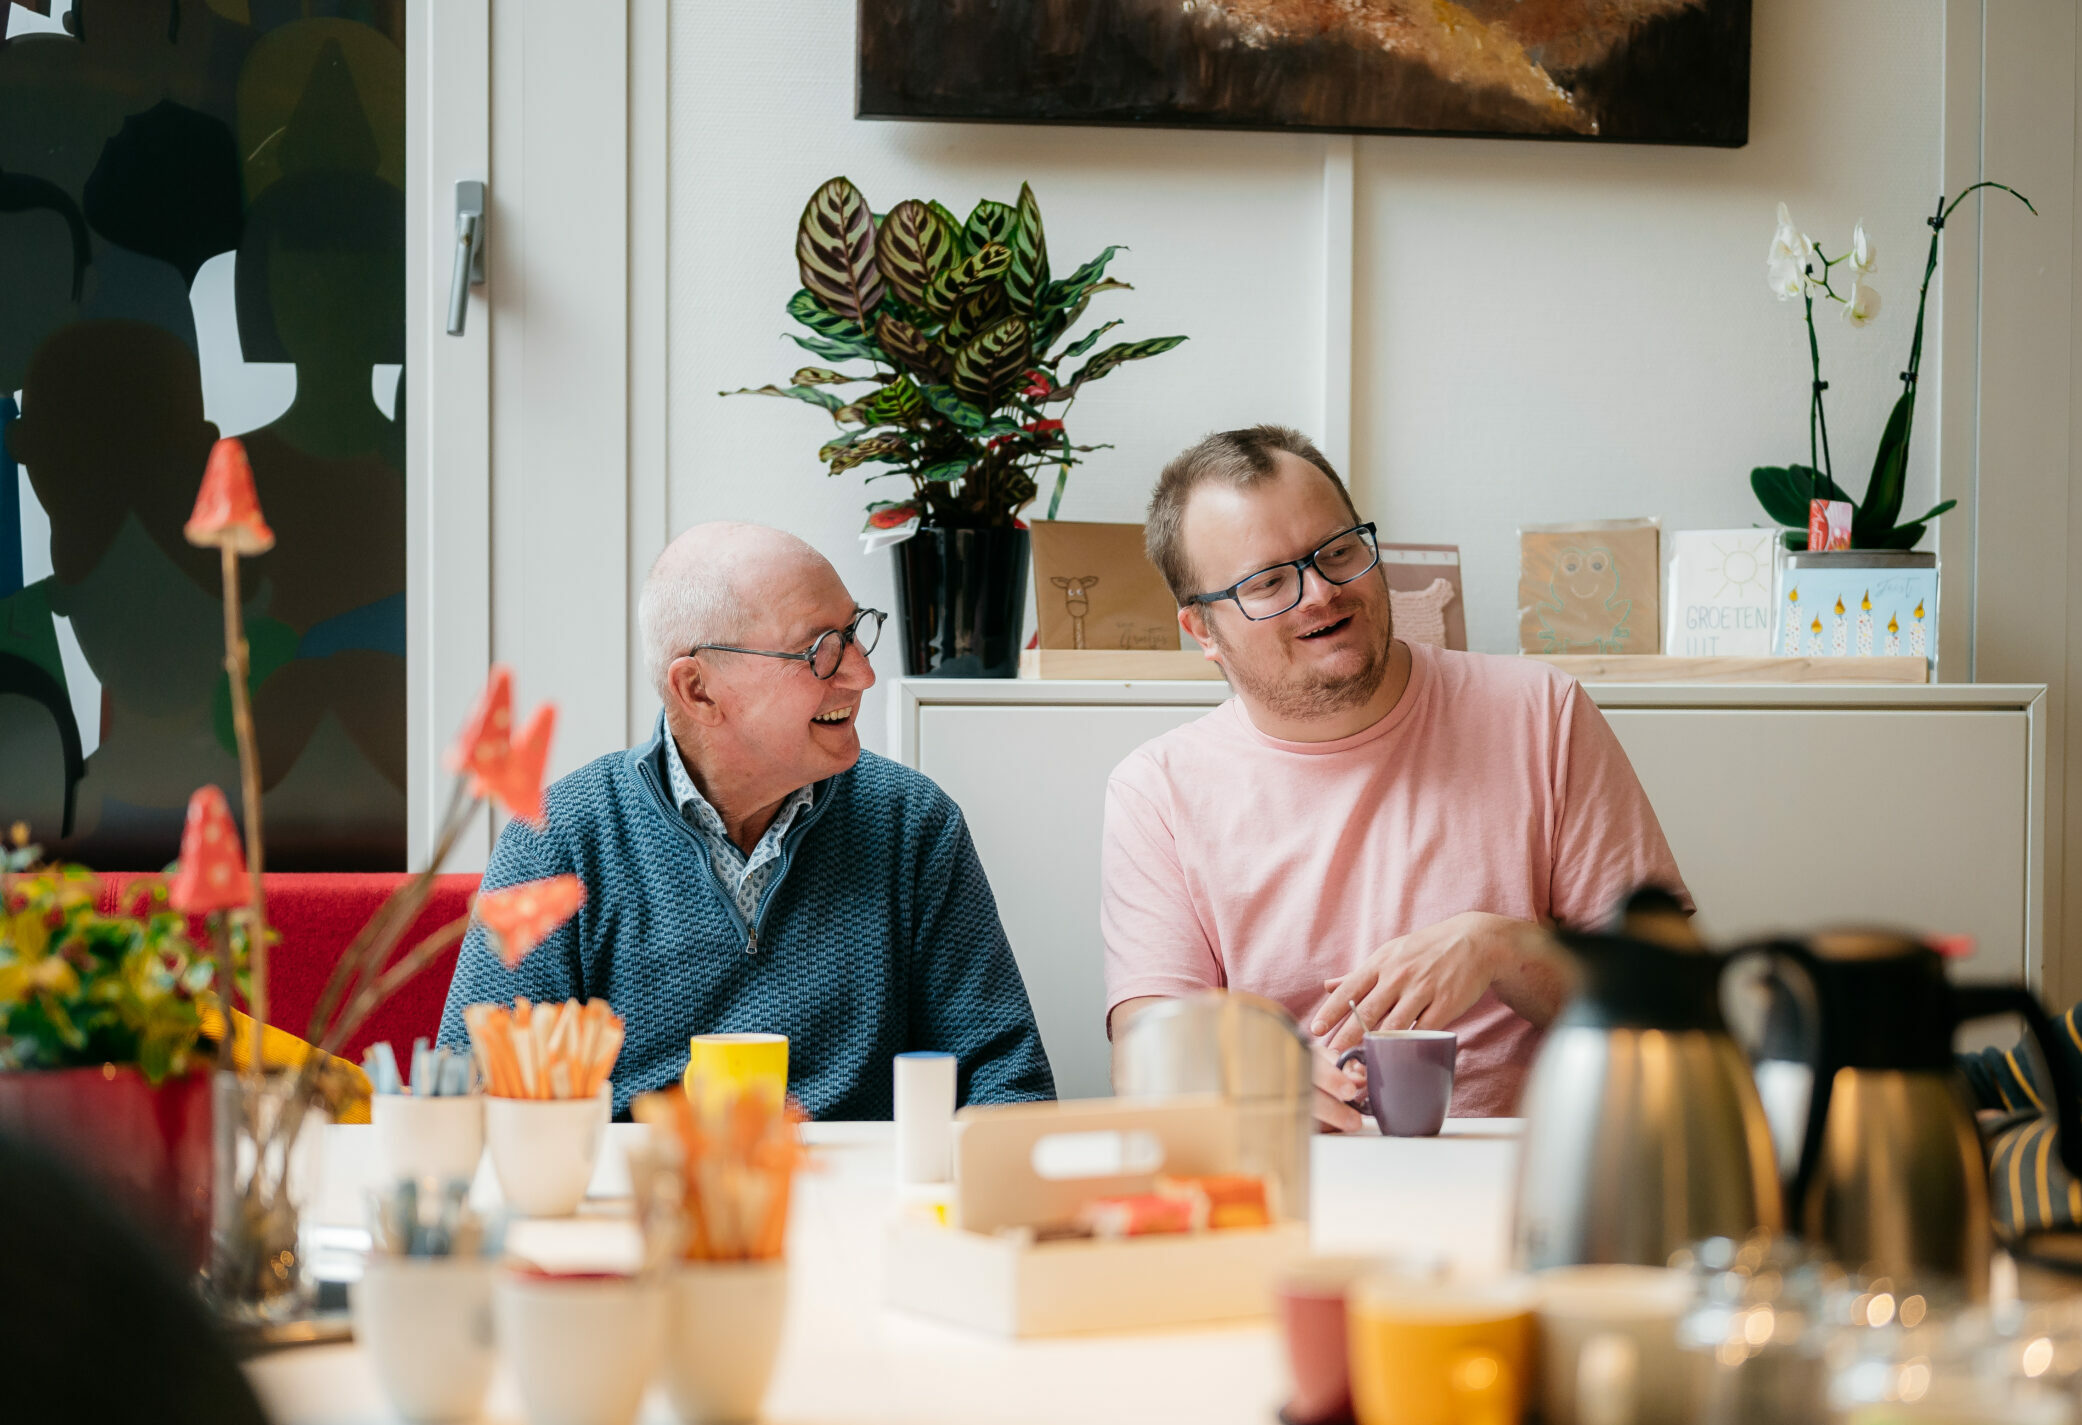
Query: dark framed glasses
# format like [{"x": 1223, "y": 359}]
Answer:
[
  {"x": 823, "y": 656},
  {"x": 1272, "y": 591}
]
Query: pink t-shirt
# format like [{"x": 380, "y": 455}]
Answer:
[{"x": 1236, "y": 859}]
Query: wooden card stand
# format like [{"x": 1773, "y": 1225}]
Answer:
[
  {"x": 1667, "y": 668},
  {"x": 987, "y": 1272}
]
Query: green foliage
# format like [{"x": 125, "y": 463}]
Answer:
[
  {"x": 961, "y": 322},
  {"x": 78, "y": 988}
]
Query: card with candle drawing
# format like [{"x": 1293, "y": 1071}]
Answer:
[{"x": 1859, "y": 604}]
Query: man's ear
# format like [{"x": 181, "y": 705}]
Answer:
[
  {"x": 687, "y": 681},
  {"x": 1193, "y": 619}
]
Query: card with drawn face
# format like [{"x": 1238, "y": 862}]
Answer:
[
  {"x": 1590, "y": 588},
  {"x": 1095, "y": 588}
]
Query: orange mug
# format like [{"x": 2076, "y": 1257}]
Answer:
[{"x": 1438, "y": 1353}]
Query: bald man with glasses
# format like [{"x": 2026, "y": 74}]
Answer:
[{"x": 751, "y": 869}]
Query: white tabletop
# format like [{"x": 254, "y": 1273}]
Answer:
[{"x": 847, "y": 1358}]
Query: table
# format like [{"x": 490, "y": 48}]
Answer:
[{"x": 846, "y": 1358}]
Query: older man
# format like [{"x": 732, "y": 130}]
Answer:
[
  {"x": 1371, "y": 831},
  {"x": 750, "y": 868}
]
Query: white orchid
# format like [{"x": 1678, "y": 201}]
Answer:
[
  {"x": 1865, "y": 257},
  {"x": 1787, "y": 278},
  {"x": 1863, "y": 306}
]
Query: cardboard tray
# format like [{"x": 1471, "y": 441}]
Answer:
[{"x": 982, "y": 1272}]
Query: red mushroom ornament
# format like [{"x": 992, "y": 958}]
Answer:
[
  {"x": 227, "y": 509},
  {"x": 212, "y": 876}
]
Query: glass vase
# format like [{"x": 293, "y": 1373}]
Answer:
[{"x": 267, "y": 1141}]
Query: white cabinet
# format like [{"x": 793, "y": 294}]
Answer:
[{"x": 1787, "y": 806}]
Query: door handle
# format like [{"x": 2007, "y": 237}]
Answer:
[{"x": 469, "y": 253}]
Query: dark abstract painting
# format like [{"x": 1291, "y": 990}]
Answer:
[{"x": 1635, "y": 71}]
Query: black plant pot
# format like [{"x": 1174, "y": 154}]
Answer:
[{"x": 961, "y": 598}]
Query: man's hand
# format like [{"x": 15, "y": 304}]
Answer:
[
  {"x": 1336, "y": 1091},
  {"x": 1431, "y": 977}
]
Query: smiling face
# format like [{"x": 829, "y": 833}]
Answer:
[
  {"x": 1586, "y": 575},
  {"x": 1327, "y": 654},
  {"x": 766, "y": 726}
]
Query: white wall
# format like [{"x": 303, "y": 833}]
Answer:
[
  {"x": 1564, "y": 331},
  {"x": 1224, "y": 234},
  {"x": 1540, "y": 331}
]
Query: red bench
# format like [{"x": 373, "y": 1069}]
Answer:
[{"x": 316, "y": 916}]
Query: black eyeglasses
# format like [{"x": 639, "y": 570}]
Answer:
[
  {"x": 823, "y": 656},
  {"x": 1272, "y": 591}
]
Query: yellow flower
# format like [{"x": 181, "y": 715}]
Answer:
[{"x": 30, "y": 935}]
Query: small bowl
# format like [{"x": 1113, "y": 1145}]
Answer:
[
  {"x": 426, "y": 1323},
  {"x": 583, "y": 1350},
  {"x": 726, "y": 1330},
  {"x": 427, "y": 1137},
  {"x": 545, "y": 1149}
]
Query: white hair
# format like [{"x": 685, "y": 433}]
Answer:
[{"x": 695, "y": 593}]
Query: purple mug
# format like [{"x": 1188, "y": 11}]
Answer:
[{"x": 1409, "y": 1078}]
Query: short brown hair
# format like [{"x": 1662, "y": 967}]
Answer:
[{"x": 1243, "y": 458}]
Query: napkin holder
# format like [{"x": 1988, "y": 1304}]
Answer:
[{"x": 984, "y": 1268}]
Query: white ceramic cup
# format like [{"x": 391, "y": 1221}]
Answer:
[
  {"x": 1608, "y": 1339},
  {"x": 545, "y": 1149},
  {"x": 582, "y": 1350},
  {"x": 426, "y": 1323},
  {"x": 427, "y": 1137},
  {"x": 726, "y": 1330}
]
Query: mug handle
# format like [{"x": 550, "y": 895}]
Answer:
[
  {"x": 1485, "y": 1391},
  {"x": 1355, "y": 1052}
]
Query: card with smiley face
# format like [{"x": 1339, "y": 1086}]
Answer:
[{"x": 1590, "y": 588}]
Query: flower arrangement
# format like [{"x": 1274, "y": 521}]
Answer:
[
  {"x": 1797, "y": 269},
  {"x": 79, "y": 989},
  {"x": 959, "y": 321}
]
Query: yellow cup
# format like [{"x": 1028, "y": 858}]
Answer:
[
  {"x": 1435, "y": 1353},
  {"x": 735, "y": 1062}
]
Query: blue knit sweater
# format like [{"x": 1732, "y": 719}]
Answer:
[{"x": 876, "y": 934}]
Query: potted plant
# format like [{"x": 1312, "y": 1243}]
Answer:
[
  {"x": 101, "y": 1052},
  {"x": 965, "y": 336},
  {"x": 1798, "y": 269}
]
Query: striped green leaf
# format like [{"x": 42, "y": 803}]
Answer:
[
  {"x": 836, "y": 348},
  {"x": 876, "y": 447},
  {"x": 894, "y": 404},
  {"x": 958, "y": 412},
  {"x": 814, "y": 396},
  {"x": 823, "y": 376},
  {"x": 945, "y": 470},
  {"x": 914, "y": 246},
  {"x": 909, "y": 347},
  {"x": 804, "y": 308},
  {"x": 835, "y": 250},
  {"x": 1089, "y": 339},
  {"x": 961, "y": 241},
  {"x": 990, "y": 366},
  {"x": 979, "y": 307},
  {"x": 986, "y": 264},
  {"x": 1079, "y": 283},
  {"x": 1026, "y": 280},
  {"x": 990, "y": 223}
]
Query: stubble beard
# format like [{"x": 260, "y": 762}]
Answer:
[{"x": 1309, "y": 696}]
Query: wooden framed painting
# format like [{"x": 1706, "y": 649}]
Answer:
[{"x": 1625, "y": 71}]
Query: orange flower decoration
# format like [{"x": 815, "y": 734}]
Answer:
[
  {"x": 212, "y": 874},
  {"x": 227, "y": 508},
  {"x": 521, "y": 917},
  {"x": 518, "y": 783}
]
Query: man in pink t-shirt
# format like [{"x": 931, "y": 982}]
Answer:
[{"x": 1370, "y": 832}]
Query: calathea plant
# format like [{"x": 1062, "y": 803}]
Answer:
[
  {"x": 959, "y": 321},
  {"x": 1798, "y": 269}
]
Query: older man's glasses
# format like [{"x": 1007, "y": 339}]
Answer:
[
  {"x": 1271, "y": 592},
  {"x": 823, "y": 656}
]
